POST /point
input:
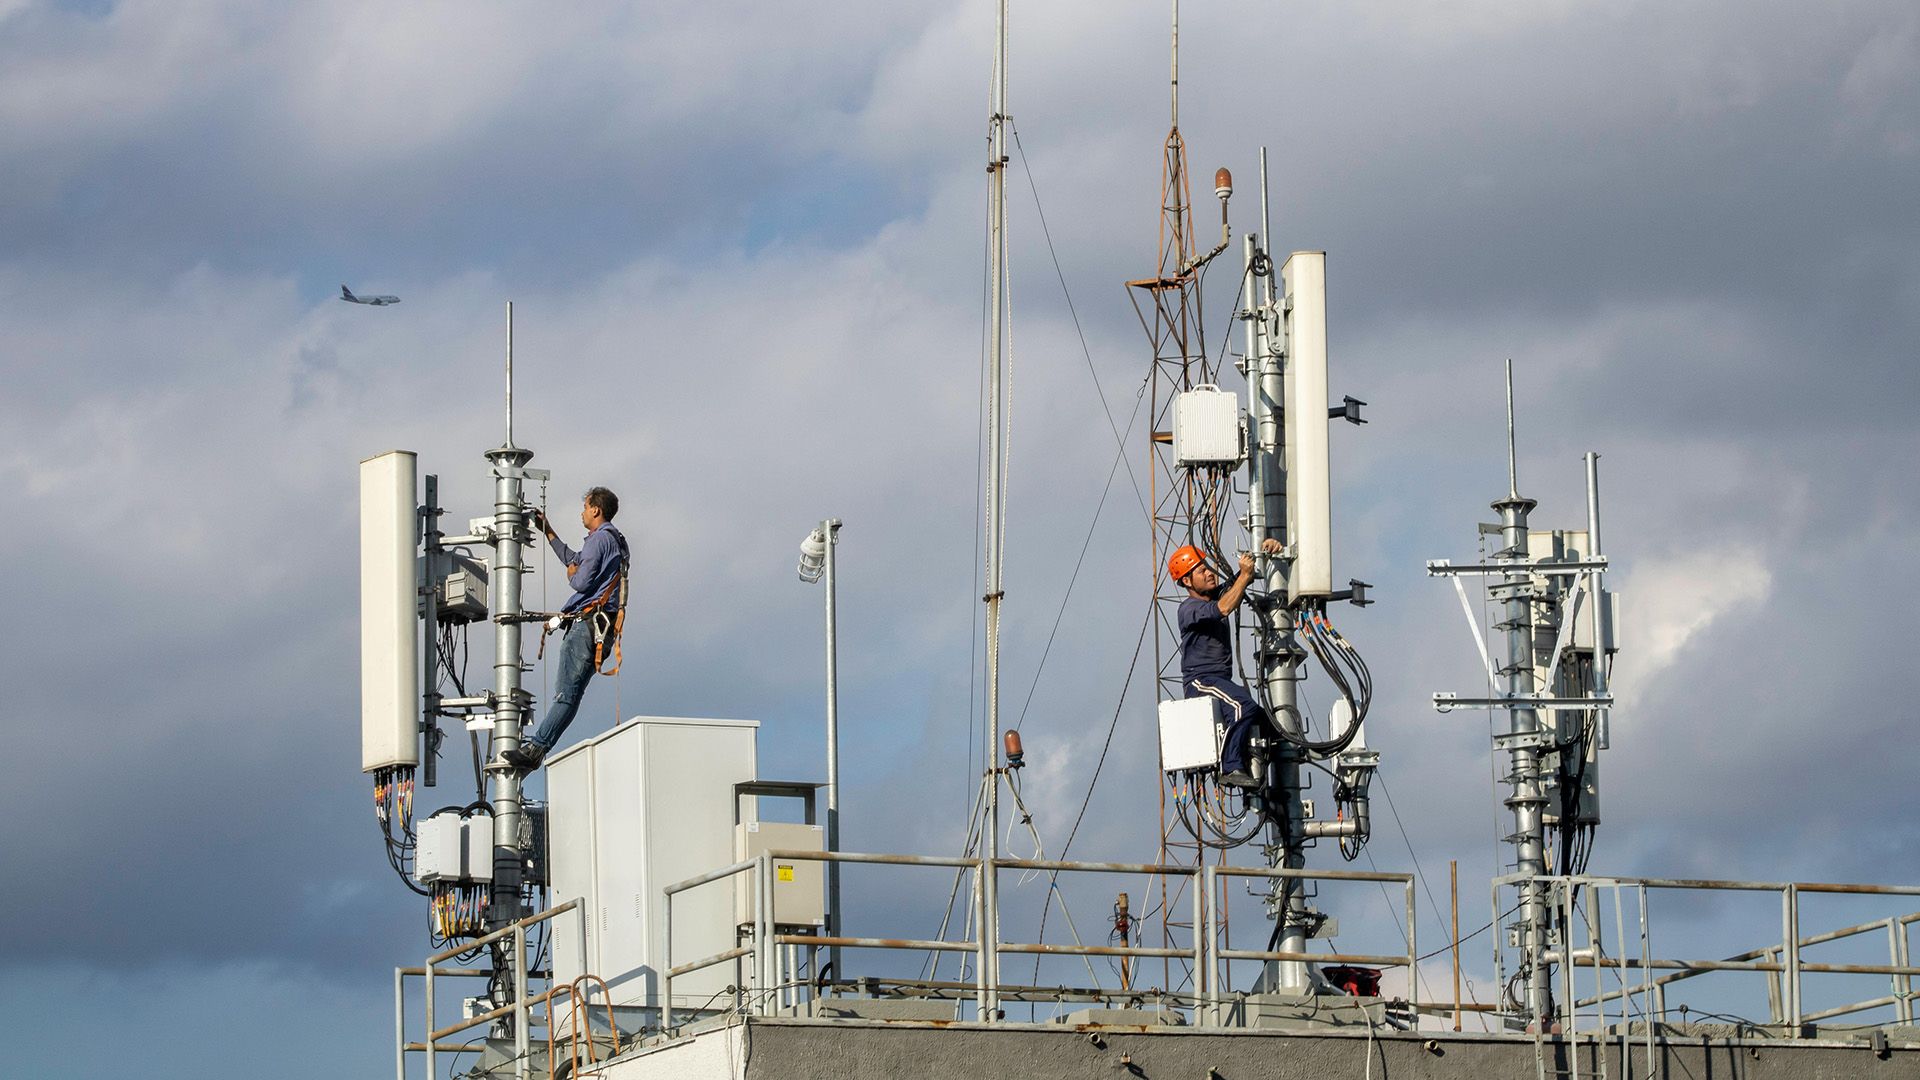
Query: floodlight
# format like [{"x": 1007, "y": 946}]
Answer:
[{"x": 813, "y": 556}]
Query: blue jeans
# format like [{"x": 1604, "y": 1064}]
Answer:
[
  {"x": 576, "y": 669},
  {"x": 1233, "y": 704}
]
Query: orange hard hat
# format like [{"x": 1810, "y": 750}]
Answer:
[{"x": 1182, "y": 561}]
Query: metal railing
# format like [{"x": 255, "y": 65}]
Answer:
[
  {"x": 1632, "y": 963},
  {"x": 1207, "y": 953},
  {"x": 519, "y": 1006}
]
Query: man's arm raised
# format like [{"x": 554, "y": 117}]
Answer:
[{"x": 1237, "y": 589}]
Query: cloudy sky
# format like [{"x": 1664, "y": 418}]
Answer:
[{"x": 744, "y": 246}]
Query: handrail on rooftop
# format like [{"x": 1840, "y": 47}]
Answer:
[
  {"x": 1206, "y": 954},
  {"x": 519, "y": 1007},
  {"x": 1782, "y": 962}
]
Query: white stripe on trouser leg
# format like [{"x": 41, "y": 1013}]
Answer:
[
  {"x": 1218, "y": 695},
  {"x": 1222, "y": 696}
]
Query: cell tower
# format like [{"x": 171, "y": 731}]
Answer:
[
  {"x": 1184, "y": 506},
  {"x": 1549, "y": 675},
  {"x": 479, "y": 864},
  {"x": 1200, "y": 441}
]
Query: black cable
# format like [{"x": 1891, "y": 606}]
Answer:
[
  {"x": 1075, "y": 576},
  {"x": 1087, "y": 800},
  {"x": 1047, "y": 234}
]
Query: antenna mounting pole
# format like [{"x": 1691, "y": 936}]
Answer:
[
  {"x": 509, "y": 373},
  {"x": 1513, "y": 471}
]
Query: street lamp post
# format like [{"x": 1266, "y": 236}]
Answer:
[{"x": 816, "y": 561}]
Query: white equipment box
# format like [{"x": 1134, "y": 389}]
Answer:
[
  {"x": 643, "y": 806},
  {"x": 1206, "y": 427},
  {"x": 799, "y": 885},
  {"x": 1190, "y": 736},
  {"x": 452, "y": 847},
  {"x": 437, "y": 854}
]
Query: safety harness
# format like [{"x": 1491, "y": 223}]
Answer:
[{"x": 606, "y": 628}]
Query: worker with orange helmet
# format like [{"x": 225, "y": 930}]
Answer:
[{"x": 1206, "y": 651}]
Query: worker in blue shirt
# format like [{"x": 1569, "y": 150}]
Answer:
[
  {"x": 1206, "y": 651},
  {"x": 592, "y": 618}
]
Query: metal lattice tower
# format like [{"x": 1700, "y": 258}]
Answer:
[{"x": 1169, "y": 308}]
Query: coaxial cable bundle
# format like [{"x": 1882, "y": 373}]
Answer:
[
  {"x": 1349, "y": 674},
  {"x": 1203, "y": 811}
]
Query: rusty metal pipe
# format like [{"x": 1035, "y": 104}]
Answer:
[
  {"x": 490, "y": 1014},
  {"x": 1316, "y": 875},
  {"x": 1315, "y": 958},
  {"x": 717, "y": 958},
  {"x": 504, "y": 931},
  {"x": 1097, "y": 950},
  {"x": 711, "y": 875},
  {"x": 914, "y": 944}
]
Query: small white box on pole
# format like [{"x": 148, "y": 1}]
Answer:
[
  {"x": 439, "y": 848},
  {"x": 389, "y": 606},
  {"x": 1206, "y": 427},
  {"x": 1304, "y": 371},
  {"x": 1190, "y": 735}
]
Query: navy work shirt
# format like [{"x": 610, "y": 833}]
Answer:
[
  {"x": 1206, "y": 639},
  {"x": 600, "y": 557}
]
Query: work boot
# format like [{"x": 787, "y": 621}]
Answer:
[
  {"x": 525, "y": 757},
  {"x": 1239, "y": 778}
]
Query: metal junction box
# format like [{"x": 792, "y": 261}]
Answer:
[
  {"x": 645, "y": 805},
  {"x": 451, "y": 847},
  {"x": 1190, "y": 736},
  {"x": 1206, "y": 427},
  {"x": 438, "y": 844},
  {"x": 799, "y": 885},
  {"x": 463, "y": 591}
]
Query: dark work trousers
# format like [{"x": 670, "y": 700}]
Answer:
[
  {"x": 576, "y": 670},
  {"x": 1234, "y": 706}
]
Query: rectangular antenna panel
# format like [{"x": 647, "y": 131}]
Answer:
[
  {"x": 1206, "y": 427},
  {"x": 632, "y": 811},
  {"x": 1309, "y": 498},
  {"x": 1189, "y": 735},
  {"x": 389, "y": 602}
]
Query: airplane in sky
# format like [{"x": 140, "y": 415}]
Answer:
[{"x": 377, "y": 301}]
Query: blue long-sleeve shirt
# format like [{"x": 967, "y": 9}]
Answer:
[{"x": 598, "y": 560}]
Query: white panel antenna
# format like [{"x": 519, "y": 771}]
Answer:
[
  {"x": 1309, "y": 499},
  {"x": 389, "y": 643}
]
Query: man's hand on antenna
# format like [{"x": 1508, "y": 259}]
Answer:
[
  {"x": 540, "y": 522},
  {"x": 1269, "y": 545}
]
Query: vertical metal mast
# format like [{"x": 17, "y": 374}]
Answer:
[
  {"x": 1527, "y": 800},
  {"x": 509, "y": 700},
  {"x": 996, "y": 495},
  {"x": 1277, "y": 654}
]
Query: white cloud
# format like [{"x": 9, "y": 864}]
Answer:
[{"x": 1669, "y": 602}]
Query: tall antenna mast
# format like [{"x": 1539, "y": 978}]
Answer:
[
  {"x": 1176, "y": 64},
  {"x": 999, "y": 358},
  {"x": 511, "y": 703},
  {"x": 1168, "y": 304}
]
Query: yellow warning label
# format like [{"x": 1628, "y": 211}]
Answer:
[{"x": 783, "y": 873}]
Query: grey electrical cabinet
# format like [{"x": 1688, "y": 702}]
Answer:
[
  {"x": 799, "y": 885},
  {"x": 630, "y": 812}
]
